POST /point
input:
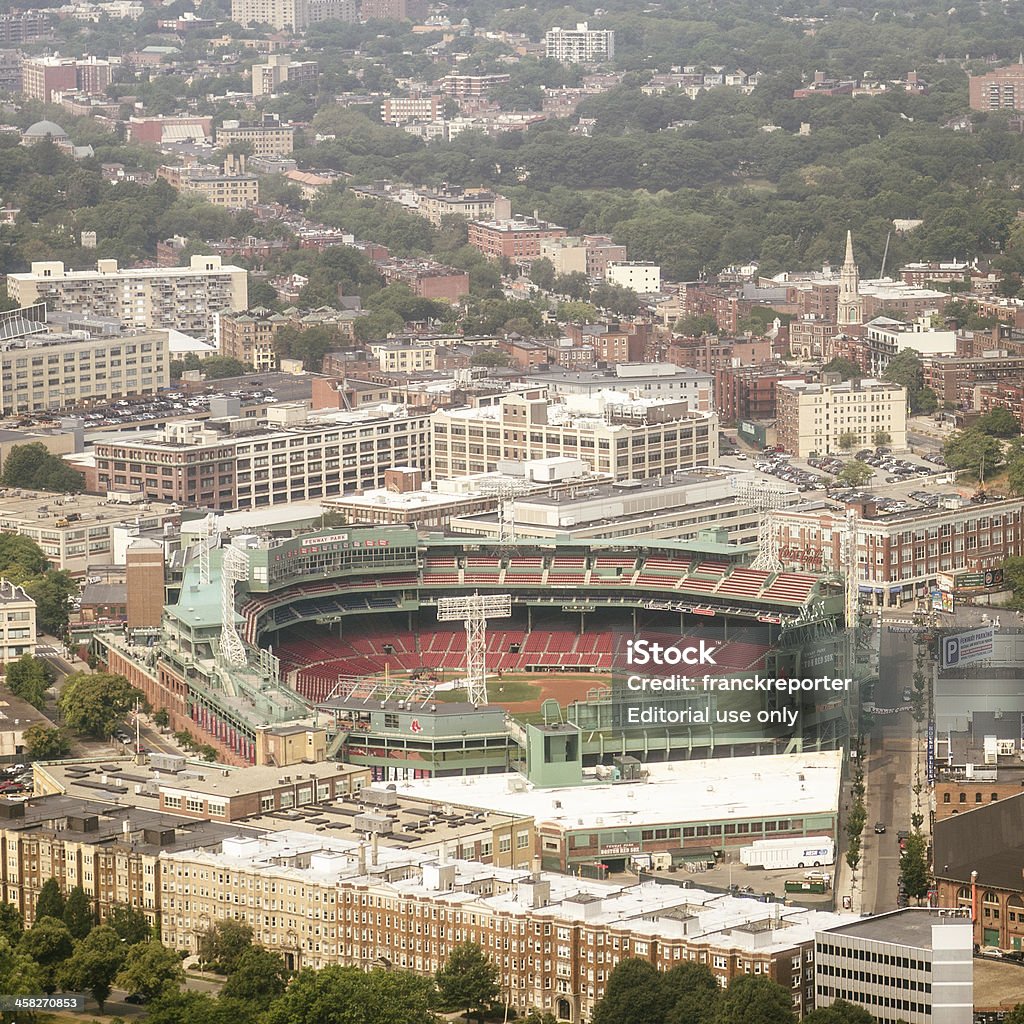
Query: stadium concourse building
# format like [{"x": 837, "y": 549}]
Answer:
[{"x": 340, "y": 628}]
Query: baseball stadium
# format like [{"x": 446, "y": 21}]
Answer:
[{"x": 429, "y": 656}]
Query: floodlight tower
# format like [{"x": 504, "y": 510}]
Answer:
[
  {"x": 765, "y": 499},
  {"x": 474, "y": 610},
  {"x": 234, "y": 569}
]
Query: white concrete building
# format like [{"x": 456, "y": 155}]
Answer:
[
  {"x": 294, "y": 15},
  {"x": 184, "y": 298},
  {"x": 643, "y": 278},
  {"x": 612, "y": 432},
  {"x": 914, "y": 965},
  {"x": 886, "y": 337},
  {"x": 581, "y": 45},
  {"x": 17, "y": 622}
]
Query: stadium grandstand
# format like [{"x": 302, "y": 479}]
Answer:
[{"x": 341, "y": 627}]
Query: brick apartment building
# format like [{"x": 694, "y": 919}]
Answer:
[
  {"x": 750, "y": 392},
  {"x": 18, "y": 27},
  {"x": 426, "y": 278},
  {"x": 612, "y": 342},
  {"x": 518, "y": 239},
  {"x": 565, "y": 935},
  {"x": 1001, "y": 89},
  {"x": 712, "y": 354},
  {"x": 43, "y": 77}
]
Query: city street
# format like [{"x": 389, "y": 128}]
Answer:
[{"x": 889, "y": 775}]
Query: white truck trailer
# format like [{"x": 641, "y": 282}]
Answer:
[{"x": 798, "y": 852}]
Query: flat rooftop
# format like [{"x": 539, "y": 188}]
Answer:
[
  {"x": 911, "y": 926},
  {"x": 415, "y": 824},
  {"x": 648, "y": 908},
  {"x": 721, "y": 789},
  {"x": 576, "y": 492},
  {"x": 118, "y": 778},
  {"x": 44, "y": 509},
  {"x": 625, "y": 375}
]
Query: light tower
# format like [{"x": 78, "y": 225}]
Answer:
[
  {"x": 765, "y": 499},
  {"x": 234, "y": 568},
  {"x": 474, "y": 610}
]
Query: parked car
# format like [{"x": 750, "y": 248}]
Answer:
[{"x": 908, "y": 695}]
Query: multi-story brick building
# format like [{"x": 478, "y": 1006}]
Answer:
[
  {"x": 249, "y": 337},
  {"x": 1000, "y": 394},
  {"x": 43, "y": 77},
  {"x": 712, "y": 354},
  {"x": 810, "y": 337},
  {"x": 186, "y": 299},
  {"x": 1001, "y": 89},
  {"x": 977, "y": 858},
  {"x": 518, "y": 239},
  {"x": 953, "y": 379},
  {"x": 749, "y": 392},
  {"x": 18, "y": 27},
  {"x": 564, "y": 936},
  {"x": 612, "y": 434},
  {"x": 426, "y": 278},
  {"x": 616, "y": 341},
  {"x": 111, "y": 851},
  {"x": 817, "y": 417},
  {"x": 899, "y": 556},
  {"x": 289, "y": 458}
]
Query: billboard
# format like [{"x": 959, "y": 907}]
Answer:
[
  {"x": 964, "y": 648},
  {"x": 982, "y": 580},
  {"x": 942, "y": 600}
]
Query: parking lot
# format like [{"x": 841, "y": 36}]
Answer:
[{"x": 899, "y": 483}]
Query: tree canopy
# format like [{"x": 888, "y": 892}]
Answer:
[
  {"x": 95, "y": 704},
  {"x": 468, "y": 979},
  {"x": 33, "y": 466}
]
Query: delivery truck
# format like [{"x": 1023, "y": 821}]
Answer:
[{"x": 798, "y": 852}]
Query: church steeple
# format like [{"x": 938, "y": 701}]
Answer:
[{"x": 850, "y": 307}]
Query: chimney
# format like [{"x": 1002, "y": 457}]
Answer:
[
  {"x": 444, "y": 852},
  {"x": 974, "y": 896},
  {"x": 362, "y": 858},
  {"x": 373, "y": 849}
]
